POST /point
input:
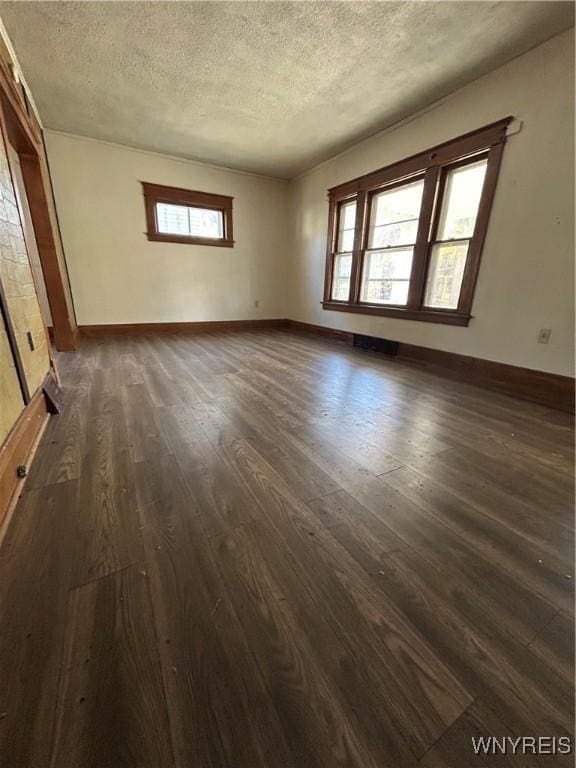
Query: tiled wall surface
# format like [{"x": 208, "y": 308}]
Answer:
[
  {"x": 29, "y": 236},
  {"x": 11, "y": 402},
  {"x": 16, "y": 277}
]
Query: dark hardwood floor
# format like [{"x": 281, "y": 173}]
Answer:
[{"x": 264, "y": 550}]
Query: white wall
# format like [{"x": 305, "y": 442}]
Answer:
[
  {"x": 526, "y": 277},
  {"x": 118, "y": 276}
]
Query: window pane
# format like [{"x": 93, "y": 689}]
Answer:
[
  {"x": 172, "y": 219},
  {"x": 346, "y": 225},
  {"x": 388, "y": 235},
  {"x": 394, "y": 216},
  {"x": 445, "y": 275},
  {"x": 461, "y": 200},
  {"x": 346, "y": 240},
  {"x": 206, "y": 223},
  {"x": 341, "y": 276},
  {"x": 386, "y": 276},
  {"x": 189, "y": 221}
]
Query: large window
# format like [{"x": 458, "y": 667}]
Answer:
[
  {"x": 406, "y": 240},
  {"x": 184, "y": 216}
]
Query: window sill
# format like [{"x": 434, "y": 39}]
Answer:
[
  {"x": 423, "y": 315},
  {"x": 189, "y": 240}
]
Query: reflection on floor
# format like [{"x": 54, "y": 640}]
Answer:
[{"x": 262, "y": 550}]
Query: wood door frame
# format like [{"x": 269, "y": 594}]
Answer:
[{"x": 24, "y": 133}]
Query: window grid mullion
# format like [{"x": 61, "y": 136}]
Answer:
[
  {"x": 360, "y": 235},
  {"x": 494, "y": 158},
  {"x": 426, "y": 225},
  {"x": 331, "y": 248}
]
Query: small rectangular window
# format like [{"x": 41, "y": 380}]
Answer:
[
  {"x": 184, "y": 216},
  {"x": 186, "y": 220}
]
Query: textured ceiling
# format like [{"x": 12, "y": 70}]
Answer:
[{"x": 271, "y": 87}]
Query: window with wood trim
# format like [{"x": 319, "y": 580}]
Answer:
[
  {"x": 406, "y": 240},
  {"x": 184, "y": 216}
]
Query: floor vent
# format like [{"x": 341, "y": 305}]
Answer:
[{"x": 374, "y": 344}]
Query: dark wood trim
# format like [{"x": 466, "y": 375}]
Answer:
[
  {"x": 423, "y": 315},
  {"x": 477, "y": 242},
  {"x": 441, "y": 154},
  {"x": 14, "y": 104},
  {"x": 360, "y": 235},
  {"x": 57, "y": 289},
  {"x": 432, "y": 166},
  {"x": 164, "y": 238},
  {"x": 419, "y": 262},
  {"x": 185, "y": 196},
  {"x": 333, "y": 334},
  {"x": 549, "y": 389},
  {"x": 17, "y": 449},
  {"x": 23, "y": 132},
  {"x": 191, "y": 327},
  {"x": 333, "y": 216},
  {"x": 157, "y": 193}
]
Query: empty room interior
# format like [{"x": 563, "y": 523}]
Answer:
[{"x": 287, "y": 384}]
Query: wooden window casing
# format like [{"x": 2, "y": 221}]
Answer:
[
  {"x": 433, "y": 167},
  {"x": 156, "y": 193}
]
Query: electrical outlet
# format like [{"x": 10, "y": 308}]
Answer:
[
  {"x": 256, "y": 304},
  {"x": 544, "y": 335}
]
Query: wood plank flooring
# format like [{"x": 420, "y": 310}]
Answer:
[{"x": 265, "y": 550}]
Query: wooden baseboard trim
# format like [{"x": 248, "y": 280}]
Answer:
[
  {"x": 18, "y": 449},
  {"x": 320, "y": 330},
  {"x": 193, "y": 327},
  {"x": 548, "y": 389}
]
